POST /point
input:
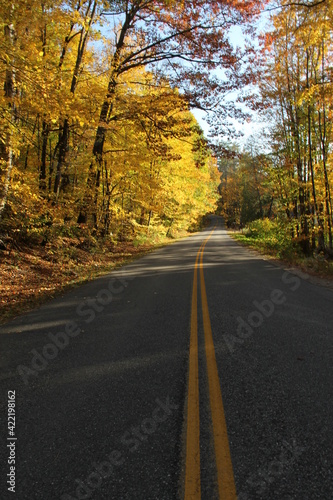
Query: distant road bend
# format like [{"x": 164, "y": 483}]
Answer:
[{"x": 200, "y": 371}]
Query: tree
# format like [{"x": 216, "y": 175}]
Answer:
[
  {"x": 7, "y": 147},
  {"x": 295, "y": 92},
  {"x": 102, "y": 126},
  {"x": 187, "y": 39}
]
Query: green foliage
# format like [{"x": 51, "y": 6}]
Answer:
[{"x": 271, "y": 236}]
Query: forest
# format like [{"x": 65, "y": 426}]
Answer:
[
  {"x": 282, "y": 192},
  {"x": 91, "y": 139},
  {"x": 99, "y": 145}
]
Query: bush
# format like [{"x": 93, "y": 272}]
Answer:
[{"x": 273, "y": 236}]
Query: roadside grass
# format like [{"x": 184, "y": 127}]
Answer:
[{"x": 273, "y": 238}]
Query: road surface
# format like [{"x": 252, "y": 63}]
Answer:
[{"x": 201, "y": 370}]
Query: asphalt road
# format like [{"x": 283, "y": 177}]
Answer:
[{"x": 109, "y": 398}]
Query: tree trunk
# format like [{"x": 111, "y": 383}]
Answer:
[
  {"x": 321, "y": 242},
  {"x": 62, "y": 151},
  {"x": 8, "y": 153},
  {"x": 89, "y": 205},
  {"x": 64, "y": 128},
  {"x": 328, "y": 200},
  {"x": 45, "y": 139}
]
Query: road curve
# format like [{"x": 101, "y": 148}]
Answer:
[{"x": 201, "y": 370}]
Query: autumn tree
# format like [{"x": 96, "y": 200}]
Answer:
[
  {"x": 99, "y": 129},
  {"x": 295, "y": 86},
  {"x": 185, "y": 40},
  {"x": 246, "y": 193},
  {"x": 155, "y": 163}
]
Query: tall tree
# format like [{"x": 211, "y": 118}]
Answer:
[
  {"x": 7, "y": 147},
  {"x": 186, "y": 40},
  {"x": 296, "y": 95}
]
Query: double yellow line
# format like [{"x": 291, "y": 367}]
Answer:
[{"x": 225, "y": 477}]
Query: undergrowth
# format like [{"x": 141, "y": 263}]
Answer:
[{"x": 274, "y": 238}]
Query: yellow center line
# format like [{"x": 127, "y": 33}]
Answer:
[
  {"x": 225, "y": 476},
  {"x": 192, "y": 473}
]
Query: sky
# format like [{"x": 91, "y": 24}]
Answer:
[
  {"x": 248, "y": 129},
  {"x": 252, "y": 128}
]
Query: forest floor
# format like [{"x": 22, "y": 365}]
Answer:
[{"x": 33, "y": 274}]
